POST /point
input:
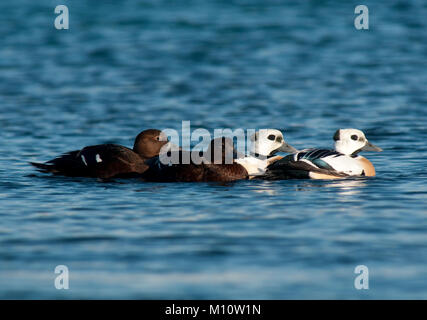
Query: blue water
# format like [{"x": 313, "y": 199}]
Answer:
[{"x": 300, "y": 66}]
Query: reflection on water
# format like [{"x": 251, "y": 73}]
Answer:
[
  {"x": 346, "y": 187},
  {"x": 264, "y": 187}
]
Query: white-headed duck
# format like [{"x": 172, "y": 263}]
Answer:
[{"x": 342, "y": 162}]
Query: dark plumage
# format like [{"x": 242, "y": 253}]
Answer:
[
  {"x": 107, "y": 160},
  {"x": 217, "y": 168}
]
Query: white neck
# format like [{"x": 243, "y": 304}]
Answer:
[{"x": 345, "y": 147}]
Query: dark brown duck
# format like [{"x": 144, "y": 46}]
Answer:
[
  {"x": 108, "y": 160},
  {"x": 218, "y": 165}
]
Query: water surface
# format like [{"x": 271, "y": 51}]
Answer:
[{"x": 124, "y": 66}]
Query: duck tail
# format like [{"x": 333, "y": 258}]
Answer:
[
  {"x": 42, "y": 167},
  {"x": 65, "y": 164}
]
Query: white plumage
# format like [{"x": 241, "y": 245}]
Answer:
[
  {"x": 264, "y": 143},
  {"x": 329, "y": 164}
]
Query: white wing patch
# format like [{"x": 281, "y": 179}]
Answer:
[
  {"x": 84, "y": 160},
  {"x": 98, "y": 158}
]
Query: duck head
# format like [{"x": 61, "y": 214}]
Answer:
[
  {"x": 149, "y": 143},
  {"x": 267, "y": 142},
  {"x": 352, "y": 141}
]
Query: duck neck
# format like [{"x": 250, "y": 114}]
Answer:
[
  {"x": 345, "y": 149},
  {"x": 138, "y": 149}
]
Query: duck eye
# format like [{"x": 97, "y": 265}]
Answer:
[
  {"x": 354, "y": 137},
  {"x": 271, "y": 137},
  {"x": 279, "y": 139},
  {"x": 158, "y": 138}
]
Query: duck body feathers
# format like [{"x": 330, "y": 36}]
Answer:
[
  {"x": 102, "y": 161},
  {"x": 319, "y": 164},
  {"x": 192, "y": 172}
]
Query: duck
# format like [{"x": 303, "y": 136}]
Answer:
[
  {"x": 344, "y": 161},
  {"x": 216, "y": 165},
  {"x": 264, "y": 144},
  {"x": 108, "y": 160},
  {"x": 220, "y": 165}
]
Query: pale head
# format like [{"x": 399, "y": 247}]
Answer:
[
  {"x": 267, "y": 142},
  {"x": 352, "y": 141}
]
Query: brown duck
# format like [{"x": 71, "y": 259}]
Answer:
[
  {"x": 217, "y": 165},
  {"x": 108, "y": 160}
]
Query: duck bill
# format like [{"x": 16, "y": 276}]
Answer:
[
  {"x": 371, "y": 147},
  {"x": 286, "y": 148}
]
